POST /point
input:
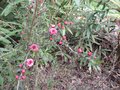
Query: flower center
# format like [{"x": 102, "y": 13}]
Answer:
[
  {"x": 53, "y": 30},
  {"x": 34, "y": 47},
  {"x": 30, "y": 62}
]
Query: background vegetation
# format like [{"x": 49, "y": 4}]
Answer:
[{"x": 90, "y": 25}]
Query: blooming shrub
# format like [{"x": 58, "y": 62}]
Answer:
[{"x": 48, "y": 29}]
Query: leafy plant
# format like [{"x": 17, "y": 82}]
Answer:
[{"x": 58, "y": 27}]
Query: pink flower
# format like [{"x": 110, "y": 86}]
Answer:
[
  {"x": 59, "y": 25},
  {"x": 51, "y": 38},
  {"x": 95, "y": 57},
  {"x": 41, "y": 1},
  {"x": 60, "y": 43},
  {"x": 23, "y": 77},
  {"x": 20, "y": 65},
  {"x": 53, "y": 31},
  {"x": 89, "y": 53},
  {"x": 63, "y": 27},
  {"x": 64, "y": 37},
  {"x": 80, "y": 50},
  {"x": 66, "y": 22},
  {"x": 29, "y": 62},
  {"x": 23, "y": 71},
  {"x": 34, "y": 47},
  {"x": 17, "y": 77}
]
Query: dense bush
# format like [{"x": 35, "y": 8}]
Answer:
[{"x": 45, "y": 31}]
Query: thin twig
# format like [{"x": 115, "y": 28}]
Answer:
[
  {"x": 33, "y": 19},
  {"x": 18, "y": 84}
]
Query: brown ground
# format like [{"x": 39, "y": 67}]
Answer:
[{"x": 67, "y": 77}]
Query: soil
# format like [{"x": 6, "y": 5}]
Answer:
[{"x": 65, "y": 76}]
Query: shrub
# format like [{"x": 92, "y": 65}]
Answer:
[{"x": 41, "y": 31}]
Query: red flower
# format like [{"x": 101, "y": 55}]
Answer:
[
  {"x": 23, "y": 71},
  {"x": 63, "y": 27},
  {"x": 66, "y": 22},
  {"x": 89, "y": 53},
  {"x": 34, "y": 47},
  {"x": 64, "y": 37},
  {"x": 80, "y": 50},
  {"x": 59, "y": 25},
  {"x": 95, "y": 57},
  {"x": 41, "y": 1},
  {"x": 53, "y": 31},
  {"x": 20, "y": 65},
  {"x": 23, "y": 77},
  {"x": 60, "y": 42},
  {"x": 51, "y": 38},
  {"x": 17, "y": 77},
  {"x": 29, "y": 62}
]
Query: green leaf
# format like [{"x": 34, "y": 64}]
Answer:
[
  {"x": 94, "y": 39},
  {"x": 62, "y": 11},
  {"x": 90, "y": 45},
  {"x": 69, "y": 30},
  {"x": 58, "y": 53},
  {"x": 7, "y": 10},
  {"x": 77, "y": 2},
  {"x": 98, "y": 68},
  {"x": 4, "y": 40},
  {"x": 18, "y": 1},
  {"x": 1, "y": 80},
  {"x": 63, "y": 32},
  {"x": 3, "y": 30},
  {"x": 3, "y": 49},
  {"x": 15, "y": 23},
  {"x": 88, "y": 34},
  {"x": 90, "y": 67},
  {"x": 77, "y": 34},
  {"x": 116, "y": 2},
  {"x": 13, "y": 32}
]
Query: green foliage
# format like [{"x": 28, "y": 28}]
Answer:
[
  {"x": 10, "y": 7},
  {"x": 88, "y": 16}
]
